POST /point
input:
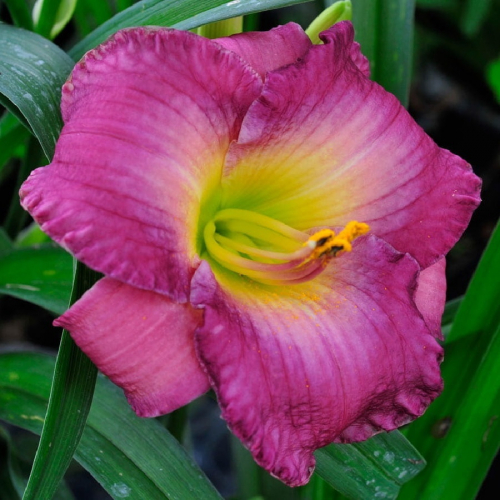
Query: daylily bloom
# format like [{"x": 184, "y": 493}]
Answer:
[{"x": 270, "y": 223}]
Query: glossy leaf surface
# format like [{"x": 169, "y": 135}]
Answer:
[
  {"x": 33, "y": 71},
  {"x": 126, "y": 454}
]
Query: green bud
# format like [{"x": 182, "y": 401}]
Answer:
[
  {"x": 220, "y": 29},
  {"x": 339, "y": 11}
]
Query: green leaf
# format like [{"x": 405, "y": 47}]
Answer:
[
  {"x": 450, "y": 311},
  {"x": 41, "y": 275},
  {"x": 16, "y": 216},
  {"x": 33, "y": 71},
  {"x": 473, "y": 15},
  {"x": 32, "y": 236},
  {"x": 493, "y": 77},
  {"x": 125, "y": 453},
  {"x": 20, "y": 13},
  {"x": 51, "y": 16},
  {"x": 384, "y": 28},
  {"x": 12, "y": 138},
  {"x": 6, "y": 245},
  {"x": 480, "y": 309},
  {"x": 372, "y": 469},
  {"x": 180, "y": 14},
  {"x": 11, "y": 480},
  {"x": 69, "y": 405},
  {"x": 459, "y": 435},
  {"x": 91, "y": 14}
]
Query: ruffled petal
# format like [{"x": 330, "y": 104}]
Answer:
[
  {"x": 431, "y": 296},
  {"x": 336, "y": 359},
  {"x": 324, "y": 145},
  {"x": 269, "y": 50},
  {"x": 148, "y": 119},
  {"x": 142, "y": 341}
]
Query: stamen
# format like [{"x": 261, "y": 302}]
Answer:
[{"x": 271, "y": 252}]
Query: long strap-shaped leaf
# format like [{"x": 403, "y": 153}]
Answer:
[
  {"x": 181, "y": 14},
  {"x": 460, "y": 434},
  {"x": 69, "y": 405},
  {"x": 131, "y": 457},
  {"x": 32, "y": 73},
  {"x": 372, "y": 469},
  {"x": 384, "y": 29}
]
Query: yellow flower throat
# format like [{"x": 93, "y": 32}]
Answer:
[{"x": 271, "y": 252}]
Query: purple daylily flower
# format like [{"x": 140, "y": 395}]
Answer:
[{"x": 210, "y": 182}]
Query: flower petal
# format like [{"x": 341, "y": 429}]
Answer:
[
  {"x": 142, "y": 341},
  {"x": 324, "y": 145},
  {"x": 269, "y": 50},
  {"x": 336, "y": 359},
  {"x": 431, "y": 296},
  {"x": 148, "y": 119}
]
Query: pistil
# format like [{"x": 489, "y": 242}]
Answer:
[{"x": 269, "y": 251}]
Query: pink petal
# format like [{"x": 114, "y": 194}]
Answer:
[
  {"x": 431, "y": 296},
  {"x": 269, "y": 50},
  {"x": 336, "y": 359},
  {"x": 357, "y": 57},
  {"x": 142, "y": 341},
  {"x": 324, "y": 145},
  {"x": 148, "y": 119}
]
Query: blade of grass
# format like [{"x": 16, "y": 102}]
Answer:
[
  {"x": 384, "y": 29},
  {"x": 460, "y": 433},
  {"x": 69, "y": 405}
]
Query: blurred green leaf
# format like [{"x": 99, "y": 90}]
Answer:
[
  {"x": 126, "y": 454},
  {"x": 16, "y": 216},
  {"x": 384, "y": 28},
  {"x": 92, "y": 13},
  {"x": 5, "y": 242},
  {"x": 180, "y": 14},
  {"x": 11, "y": 480},
  {"x": 51, "y": 16},
  {"x": 33, "y": 71},
  {"x": 473, "y": 15},
  {"x": 372, "y": 469},
  {"x": 20, "y": 13},
  {"x": 31, "y": 236},
  {"x": 493, "y": 77},
  {"x": 459, "y": 435},
  {"x": 41, "y": 275},
  {"x": 12, "y": 138},
  {"x": 437, "y": 4}
]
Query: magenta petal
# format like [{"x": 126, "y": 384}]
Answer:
[
  {"x": 323, "y": 145},
  {"x": 142, "y": 341},
  {"x": 431, "y": 296},
  {"x": 269, "y": 50},
  {"x": 336, "y": 359},
  {"x": 148, "y": 119}
]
